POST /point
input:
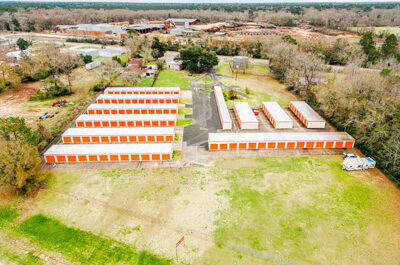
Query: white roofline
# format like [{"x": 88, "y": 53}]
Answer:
[
  {"x": 111, "y": 131},
  {"x": 127, "y": 117},
  {"x": 109, "y": 149},
  {"x": 132, "y": 106},
  {"x": 308, "y": 113},
  {"x": 277, "y": 113},
  {"x": 138, "y": 96},
  {"x": 283, "y": 136},
  {"x": 245, "y": 113}
]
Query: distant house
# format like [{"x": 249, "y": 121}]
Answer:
[
  {"x": 151, "y": 73},
  {"x": 174, "y": 65},
  {"x": 151, "y": 67}
]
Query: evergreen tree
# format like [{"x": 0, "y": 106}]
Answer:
[{"x": 390, "y": 47}]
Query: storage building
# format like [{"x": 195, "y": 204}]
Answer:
[
  {"x": 118, "y": 135},
  {"x": 223, "y": 111},
  {"x": 246, "y": 118},
  {"x": 138, "y": 99},
  {"x": 149, "y": 120},
  {"x": 276, "y": 115},
  {"x": 309, "y": 117},
  {"x": 279, "y": 140},
  {"x": 132, "y": 109},
  {"x": 142, "y": 90},
  {"x": 92, "y": 65},
  {"x": 70, "y": 153}
]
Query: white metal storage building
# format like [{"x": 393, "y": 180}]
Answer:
[
  {"x": 282, "y": 140},
  {"x": 132, "y": 109},
  {"x": 309, "y": 117},
  {"x": 67, "y": 153},
  {"x": 276, "y": 115},
  {"x": 223, "y": 111},
  {"x": 142, "y": 90},
  {"x": 137, "y": 99},
  {"x": 118, "y": 135},
  {"x": 244, "y": 114},
  {"x": 149, "y": 120}
]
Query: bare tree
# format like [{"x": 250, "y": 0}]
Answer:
[{"x": 67, "y": 62}]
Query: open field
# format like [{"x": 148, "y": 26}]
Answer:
[
  {"x": 173, "y": 78},
  {"x": 261, "y": 84},
  {"x": 377, "y": 30},
  {"x": 271, "y": 210}
]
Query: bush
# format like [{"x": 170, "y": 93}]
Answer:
[{"x": 55, "y": 90}]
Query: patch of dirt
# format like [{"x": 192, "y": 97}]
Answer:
[{"x": 11, "y": 102}]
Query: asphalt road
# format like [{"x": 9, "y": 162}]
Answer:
[{"x": 205, "y": 118}]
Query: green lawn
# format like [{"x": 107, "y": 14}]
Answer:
[
  {"x": 146, "y": 81},
  {"x": 206, "y": 80},
  {"x": 377, "y": 30},
  {"x": 171, "y": 78},
  {"x": 184, "y": 122},
  {"x": 186, "y": 111},
  {"x": 243, "y": 210}
]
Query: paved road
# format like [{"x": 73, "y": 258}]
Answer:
[{"x": 205, "y": 118}]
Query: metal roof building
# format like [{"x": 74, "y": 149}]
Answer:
[
  {"x": 223, "y": 111},
  {"x": 70, "y": 153},
  {"x": 276, "y": 115},
  {"x": 142, "y": 90},
  {"x": 309, "y": 117},
  {"x": 135, "y": 99},
  {"x": 245, "y": 115},
  {"x": 118, "y": 135},
  {"x": 149, "y": 120},
  {"x": 283, "y": 140},
  {"x": 132, "y": 109}
]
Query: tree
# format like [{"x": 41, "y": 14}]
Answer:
[
  {"x": 368, "y": 46},
  {"x": 158, "y": 47},
  {"x": 390, "y": 46},
  {"x": 15, "y": 129},
  {"x": 67, "y": 62},
  {"x": 197, "y": 59},
  {"x": 19, "y": 167},
  {"x": 86, "y": 58},
  {"x": 133, "y": 44},
  {"x": 22, "y": 44}
]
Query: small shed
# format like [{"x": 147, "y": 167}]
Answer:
[
  {"x": 92, "y": 65},
  {"x": 240, "y": 62},
  {"x": 246, "y": 118},
  {"x": 174, "y": 65},
  {"x": 151, "y": 73},
  {"x": 358, "y": 163},
  {"x": 92, "y": 52}
]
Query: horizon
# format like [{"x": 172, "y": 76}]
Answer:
[{"x": 210, "y": 1}]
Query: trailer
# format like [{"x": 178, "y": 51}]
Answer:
[
  {"x": 279, "y": 140},
  {"x": 358, "y": 163},
  {"x": 142, "y": 90},
  {"x": 149, "y": 120},
  {"x": 245, "y": 115},
  {"x": 309, "y": 117},
  {"x": 225, "y": 118},
  {"x": 132, "y": 109},
  {"x": 276, "y": 115},
  {"x": 138, "y": 99},
  {"x": 73, "y": 153},
  {"x": 118, "y": 135}
]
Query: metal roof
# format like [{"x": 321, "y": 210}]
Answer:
[
  {"x": 284, "y": 137},
  {"x": 223, "y": 109},
  {"x": 133, "y": 106},
  {"x": 109, "y": 149},
  {"x": 127, "y": 117},
  {"x": 142, "y": 89},
  {"x": 182, "y": 20},
  {"x": 308, "y": 113},
  {"x": 244, "y": 112},
  {"x": 137, "y": 96},
  {"x": 110, "y": 131},
  {"x": 277, "y": 113}
]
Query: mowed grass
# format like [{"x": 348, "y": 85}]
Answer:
[
  {"x": 171, "y": 78},
  {"x": 261, "y": 84},
  {"x": 243, "y": 210},
  {"x": 307, "y": 210}
]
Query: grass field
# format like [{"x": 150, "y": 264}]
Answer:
[
  {"x": 243, "y": 210},
  {"x": 173, "y": 78},
  {"x": 261, "y": 84},
  {"x": 377, "y": 30}
]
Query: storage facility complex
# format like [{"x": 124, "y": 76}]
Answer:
[
  {"x": 246, "y": 118},
  {"x": 276, "y": 115},
  {"x": 135, "y": 99},
  {"x": 123, "y": 130},
  {"x": 118, "y": 135},
  {"x": 149, "y": 120},
  {"x": 226, "y": 121},
  {"x": 309, "y": 117},
  {"x": 132, "y": 109},
  {"x": 63, "y": 153},
  {"x": 142, "y": 90},
  {"x": 282, "y": 140}
]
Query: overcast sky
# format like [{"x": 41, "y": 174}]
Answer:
[{"x": 210, "y": 1}]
